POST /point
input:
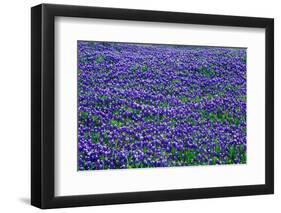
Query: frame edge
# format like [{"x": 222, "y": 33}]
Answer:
[
  {"x": 269, "y": 108},
  {"x": 36, "y": 49}
]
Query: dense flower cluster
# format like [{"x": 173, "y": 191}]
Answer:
[{"x": 144, "y": 105}]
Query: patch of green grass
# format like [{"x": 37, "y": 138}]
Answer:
[
  {"x": 212, "y": 117},
  {"x": 96, "y": 120},
  {"x": 196, "y": 99},
  {"x": 173, "y": 122},
  {"x": 144, "y": 68},
  {"x": 83, "y": 115},
  {"x": 207, "y": 72},
  {"x": 99, "y": 59},
  {"x": 189, "y": 156},
  {"x": 127, "y": 121},
  {"x": 220, "y": 117},
  {"x": 232, "y": 152},
  {"x": 116, "y": 123},
  {"x": 95, "y": 137},
  {"x": 145, "y": 149},
  {"x": 214, "y": 160},
  {"x": 217, "y": 148},
  {"x": 164, "y": 104},
  {"x": 173, "y": 151},
  {"x": 210, "y": 97},
  {"x": 106, "y": 140},
  {"x": 134, "y": 111},
  {"x": 86, "y": 135},
  {"x": 243, "y": 158},
  {"x": 183, "y": 99},
  {"x": 116, "y": 112},
  {"x": 175, "y": 81},
  {"x": 237, "y": 121},
  {"x": 150, "y": 118},
  {"x": 103, "y": 97},
  {"x": 242, "y": 152}
]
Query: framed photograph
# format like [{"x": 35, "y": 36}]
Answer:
[{"x": 139, "y": 106}]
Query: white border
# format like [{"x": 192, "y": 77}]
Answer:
[{"x": 68, "y": 181}]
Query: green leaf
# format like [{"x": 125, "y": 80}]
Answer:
[
  {"x": 106, "y": 140},
  {"x": 217, "y": 148},
  {"x": 189, "y": 156},
  {"x": 183, "y": 99},
  {"x": 95, "y": 137},
  {"x": 144, "y": 68},
  {"x": 99, "y": 59},
  {"x": 83, "y": 115},
  {"x": 116, "y": 123}
]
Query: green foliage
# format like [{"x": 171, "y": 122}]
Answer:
[
  {"x": 243, "y": 158},
  {"x": 173, "y": 151},
  {"x": 99, "y": 59},
  {"x": 210, "y": 97},
  {"x": 127, "y": 121},
  {"x": 231, "y": 152},
  {"x": 116, "y": 112},
  {"x": 144, "y": 68},
  {"x": 208, "y": 73},
  {"x": 197, "y": 99},
  {"x": 212, "y": 117},
  {"x": 86, "y": 135},
  {"x": 83, "y": 116},
  {"x": 180, "y": 155},
  {"x": 175, "y": 82},
  {"x": 148, "y": 118},
  {"x": 217, "y": 148},
  {"x": 220, "y": 117},
  {"x": 106, "y": 140},
  {"x": 134, "y": 111},
  {"x": 164, "y": 104},
  {"x": 96, "y": 120},
  {"x": 144, "y": 149},
  {"x": 116, "y": 123},
  {"x": 189, "y": 156},
  {"x": 214, "y": 160},
  {"x": 95, "y": 137},
  {"x": 190, "y": 120},
  {"x": 173, "y": 122},
  {"x": 183, "y": 99},
  {"x": 244, "y": 98},
  {"x": 237, "y": 121},
  {"x": 103, "y": 97}
]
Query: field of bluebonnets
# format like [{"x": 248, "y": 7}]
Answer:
[{"x": 145, "y": 105}]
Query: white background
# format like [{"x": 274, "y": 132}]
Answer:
[
  {"x": 69, "y": 30},
  {"x": 15, "y": 106}
]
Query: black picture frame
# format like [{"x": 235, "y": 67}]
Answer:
[{"x": 43, "y": 102}]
